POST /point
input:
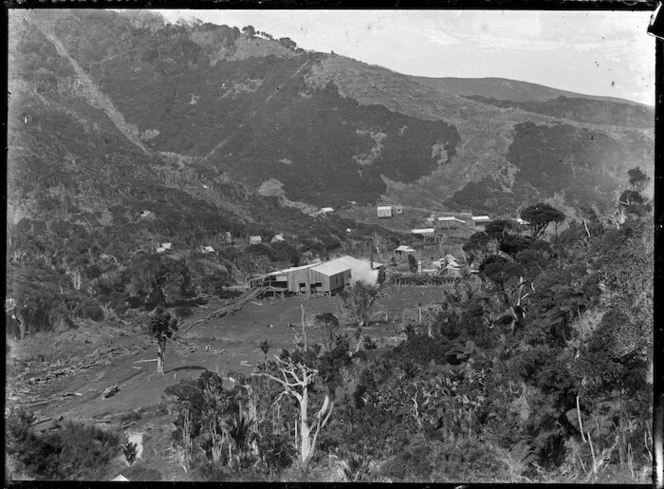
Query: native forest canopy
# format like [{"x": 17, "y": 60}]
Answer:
[{"x": 163, "y": 177}]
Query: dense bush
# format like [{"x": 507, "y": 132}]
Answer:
[{"x": 73, "y": 451}]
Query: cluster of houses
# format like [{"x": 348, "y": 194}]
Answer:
[
  {"x": 252, "y": 240},
  {"x": 327, "y": 278},
  {"x": 164, "y": 247}
]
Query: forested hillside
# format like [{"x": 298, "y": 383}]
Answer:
[
  {"x": 331, "y": 129},
  {"x": 142, "y": 156},
  {"x": 87, "y": 206},
  {"x": 537, "y": 369}
]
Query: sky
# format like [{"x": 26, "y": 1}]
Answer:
[{"x": 598, "y": 53}]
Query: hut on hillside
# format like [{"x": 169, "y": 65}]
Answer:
[
  {"x": 384, "y": 211},
  {"x": 450, "y": 222},
  {"x": 423, "y": 231},
  {"x": 480, "y": 221},
  {"x": 403, "y": 249}
]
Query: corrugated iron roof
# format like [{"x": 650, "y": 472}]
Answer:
[
  {"x": 404, "y": 248},
  {"x": 331, "y": 267},
  {"x": 422, "y": 231},
  {"x": 291, "y": 269},
  {"x": 384, "y": 207},
  {"x": 353, "y": 262},
  {"x": 481, "y": 218}
]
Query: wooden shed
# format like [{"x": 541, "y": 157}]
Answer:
[
  {"x": 329, "y": 277},
  {"x": 450, "y": 222},
  {"x": 384, "y": 211},
  {"x": 294, "y": 279}
]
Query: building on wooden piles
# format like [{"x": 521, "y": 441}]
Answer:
[
  {"x": 321, "y": 278},
  {"x": 294, "y": 279},
  {"x": 328, "y": 277}
]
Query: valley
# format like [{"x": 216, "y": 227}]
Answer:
[{"x": 350, "y": 274}]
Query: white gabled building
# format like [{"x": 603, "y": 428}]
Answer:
[
  {"x": 403, "y": 249},
  {"x": 423, "y": 231},
  {"x": 384, "y": 211}
]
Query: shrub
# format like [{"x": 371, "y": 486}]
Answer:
[
  {"x": 139, "y": 472},
  {"x": 74, "y": 451}
]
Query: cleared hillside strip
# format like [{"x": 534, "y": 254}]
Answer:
[{"x": 94, "y": 95}]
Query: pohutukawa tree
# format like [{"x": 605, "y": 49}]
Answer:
[
  {"x": 479, "y": 246},
  {"x": 162, "y": 327},
  {"x": 539, "y": 216}
]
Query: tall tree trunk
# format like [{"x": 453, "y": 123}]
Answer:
[
  {"x": 305, "y": 441},
  {"x": 161, "y": 349}
]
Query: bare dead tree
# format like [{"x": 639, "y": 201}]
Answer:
[{"x": 296, "y": 378}]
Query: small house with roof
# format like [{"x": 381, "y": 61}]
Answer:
[
  {"x": 398, "y": 210},
  {"x": 383, "y": 211},
  {"x": 277, "y": 238},
  {"x": 423, "y": 231},
  {"x": 164, "y": 247},
  {"x": 403, "y": 249},
  {"x": 450, "y": 222},
  {"x": 480, "y": 221},
  {"x": 207, "y": 249},
  {"x": 254, "y": 240}
]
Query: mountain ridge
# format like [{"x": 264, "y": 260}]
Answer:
[
  {"x": 242, "y": 103},
  {"x": 513, "y": 90}
]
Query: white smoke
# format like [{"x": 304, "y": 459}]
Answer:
[{"x": 362, "y": 272}]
